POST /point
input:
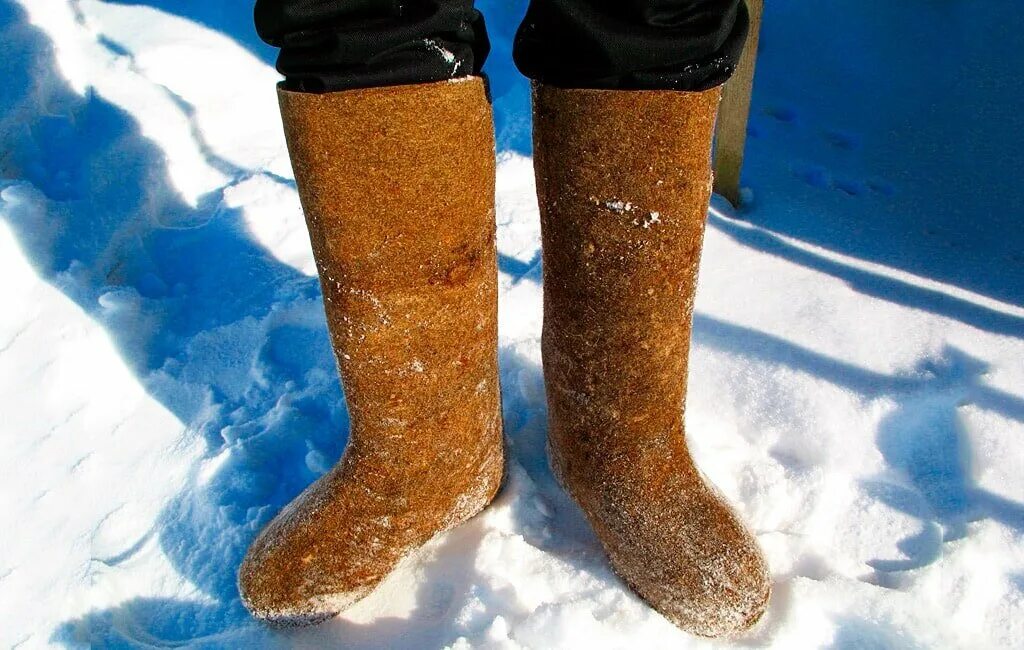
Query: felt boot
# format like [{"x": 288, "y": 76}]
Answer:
[
  {"x": 397, "y": 185},
  {"x": 623, "y": 179}
]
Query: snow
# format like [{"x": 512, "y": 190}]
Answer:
[
  {"x": 166, "y": 381},
  {"x": 446, "y": 55}
]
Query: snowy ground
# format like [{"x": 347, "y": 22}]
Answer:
[{"x": 166, "y": 382}]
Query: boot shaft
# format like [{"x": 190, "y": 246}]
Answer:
[
  {"x": 397, "y": 185},
  {"x": 623, "y": 180}
]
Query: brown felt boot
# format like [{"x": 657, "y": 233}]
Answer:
[
  {"x": 624, "y": 179},
  {"x": 397, "y": 185}
]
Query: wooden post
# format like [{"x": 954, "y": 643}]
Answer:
[{"x": 731, "y": 129}]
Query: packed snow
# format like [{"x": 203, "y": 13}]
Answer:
[{"x": 166, "y": 381}]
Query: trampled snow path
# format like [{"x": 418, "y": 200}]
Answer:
[{"x": 166, "y": 382}]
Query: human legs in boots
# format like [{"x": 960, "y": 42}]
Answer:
[
  {"x": 622, "y": 159},
  {"x": 394, "y": 165},
  {"x": 623, "y": 179},
  {"x": 397, "y": 185}
]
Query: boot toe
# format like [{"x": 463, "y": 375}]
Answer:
[
  {"x": 694, "y": 562},
  {"x": 279, "y": 585},
  {"x": 712, "y": 597},
  {"x": 727, "y": 602},
  {"x": 288, "y": 577}
]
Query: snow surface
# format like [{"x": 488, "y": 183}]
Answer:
[{"x": 166, "y": 382}]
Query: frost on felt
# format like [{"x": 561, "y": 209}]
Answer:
[{"x": 645, "y": 219}]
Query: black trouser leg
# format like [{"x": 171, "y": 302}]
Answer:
[
  {"x": 330, "y": 45},
  {"x": 628, "y": 44},
  {"x": 631, "y": 44}
]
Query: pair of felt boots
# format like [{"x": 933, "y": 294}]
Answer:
[{"x": 397, "y": 185}]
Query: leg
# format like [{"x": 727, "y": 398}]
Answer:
[
  {"x": 624, "y": 180},
  {"x": 631, "y": 44},
  {"x": 397, "y": 185},
  {"x": 341, "y": 44}
]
